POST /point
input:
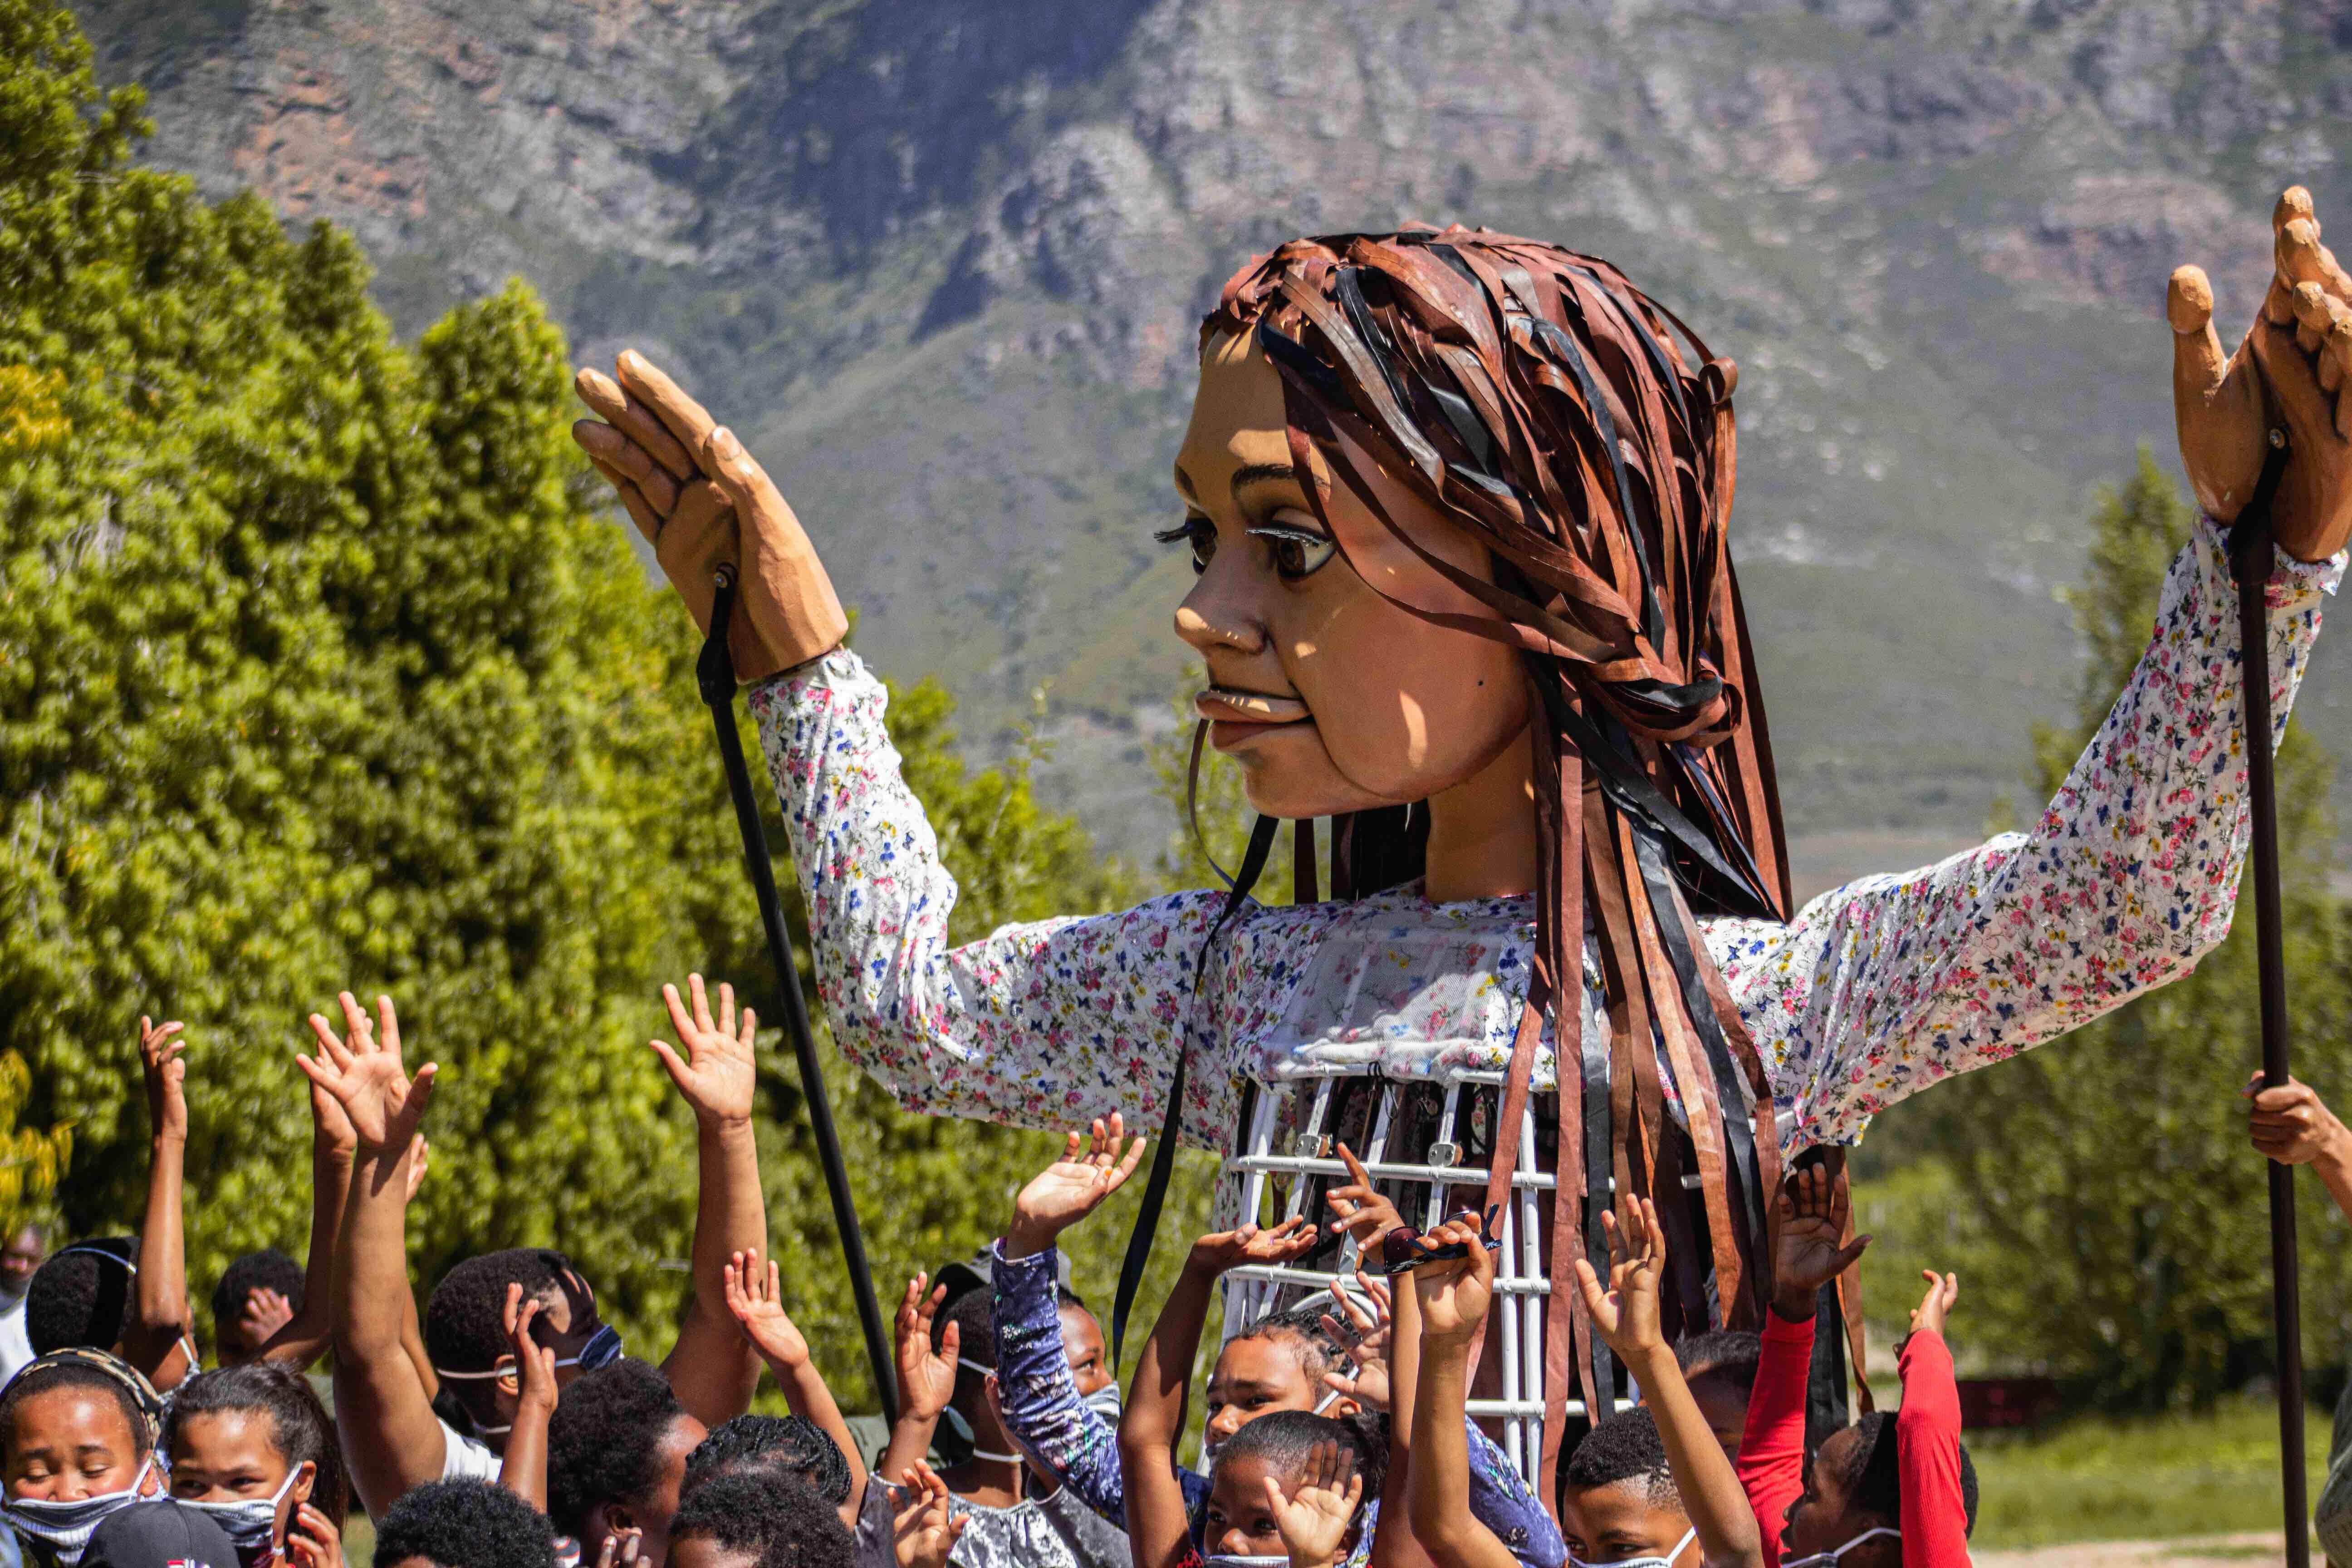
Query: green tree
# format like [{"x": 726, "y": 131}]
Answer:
[
  {"x": 321, "y": 665},
  {"x": 2098, "y": 1197}
]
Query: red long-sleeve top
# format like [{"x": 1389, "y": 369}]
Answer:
[
  {"x": 1773, "y": 1444},
  {"x": 1935, "y": 1520},
  {"x": 1928, "y": 1449}
]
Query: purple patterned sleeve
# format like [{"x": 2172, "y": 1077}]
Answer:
[
  {"x": 1049, "y": 1024},
  {"x": 1043, "y": 1411},
  {"x": 1883, "y": 986},
  {"x": 1504, "y": 1503}
]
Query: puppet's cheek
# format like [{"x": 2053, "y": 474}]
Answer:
[{"x": 1288, "y": 771}]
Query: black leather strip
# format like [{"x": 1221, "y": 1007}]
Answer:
[
  {"x": 1598, "y": 1161},
  {"x": 1164, "y": 1158}
]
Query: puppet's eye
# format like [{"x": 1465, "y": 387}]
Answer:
[
  {"x": 1200, "y": 533},
  {"x": 1298, "y": 544}
]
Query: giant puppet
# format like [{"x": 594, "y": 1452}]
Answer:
[{"x": 1458, "y": 504}]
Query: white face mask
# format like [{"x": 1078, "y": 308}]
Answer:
[
  {"x": 1666, "y": 1562},
  {"x": 1830, "y": 1559},
  {"x": 251, "y": 1523},
  {"x": 1105, "y": 1402},
  {"x": 1240, "y": 1560},
  {"x": 60, "y": 1531}
]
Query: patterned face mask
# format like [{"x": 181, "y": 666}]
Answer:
[
  {"x": 251, "y": 1523},
  {"x": 59, "y": 1532}
]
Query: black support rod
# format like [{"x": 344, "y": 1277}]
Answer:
[
  {"x": 2250, "y": 538},
  {"x": 715, "y": 673}
]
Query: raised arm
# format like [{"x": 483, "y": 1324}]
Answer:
[
  {"x": 391, "y": 1441},
  {"x": 1928, "y": 1437},
  {"x": 1626, "y": 1316},
  {"x": 157, "y": 1344},
  {"x": 1883, "y": 986},
  {"x": 713, "y": 1367},
  {"x": 522, "y": 1469},
  {"x": 1158, "y": 1527},
  {"x": 926, "y": 1377},
  {"x": 1451, "y": 1298},
  {"x": 755, "y": 1296},
  {"x": 1037, "y": 1395}
]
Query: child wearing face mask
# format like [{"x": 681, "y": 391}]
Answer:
[
  {"x": 1885, "y": 1492},
  {"x": 77, "y": 1443},
  {"x": 1651, "y": 1487},
  {"x": 251, "y": 1448}
]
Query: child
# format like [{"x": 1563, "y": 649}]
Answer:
[
  {"x": 755, "y": 1297},
  {"x": 946, "y": 1365},
  {"x": 1289, "y": 1487},
  {"x": 462, "y": 1524},
  {"x": 1720, "y": 1367},
  {"x": 1292, "y": 1360},
  {"x": 77, "y": 1443},
  {"x": 251, "y": 1447},
  {"x": 1883, "y": 1492},
  {"x": 1643, "y": 1486},
  {"x": 616, "y": 1449},
  {"x": 758, "y": 1522}
]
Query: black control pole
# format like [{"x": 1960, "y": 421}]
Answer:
[
  {"x": 2250, "y": 538},
  {"x": 715, "y": 672}
]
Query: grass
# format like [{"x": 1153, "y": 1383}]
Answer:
[{"x": 2098, "y": 1479}]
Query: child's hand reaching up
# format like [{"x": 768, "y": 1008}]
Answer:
[
  {"x": 1453, "y": 1292},
  {"x": 718, "y": 1074},
  {"x": 1223, "y": 1251},
  {"x": 1625, "y": 1315},
  {"x": 925, "y": 1376},
  {"x": 755, "y": 1295},
  {"x": 1937, "y": 1304},
  {"x": 1314, "y": 1522},
  {"x": 1366, "y": 1336},
  {"x": 1071, "y": 1188},
  {"x": 926, "y": 1528},
  {"x": 1813, "y": 1249},
  {"x": 1364, "y": 1214}
]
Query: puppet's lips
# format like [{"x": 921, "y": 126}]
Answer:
[{"x": 1222, "y": 705}]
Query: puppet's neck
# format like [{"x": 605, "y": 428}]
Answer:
[{"x": 1482, "y": 832}]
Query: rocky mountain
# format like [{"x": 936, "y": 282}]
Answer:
[{"x": 940, "y": 260}]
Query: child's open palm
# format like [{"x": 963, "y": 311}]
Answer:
[
  {"x": 1314, "y": 1521},
  {"x": 1221, "y": 1251},
  {"x": 1075, "y": 1185},
  {"x": 925, "y": 1376},
  {"x": 926, "y": 1528},
  {"x": 1626, "y": 1314},
  {"x": 755, "y": 1295},
  {"x": 1814, "y": 1250},
  {"x": 719, "y": 1071},
  {"x": 1366, "y": 1336},
  {"x": 363, "y": 1074}
]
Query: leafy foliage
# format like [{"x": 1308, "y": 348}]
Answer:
[
  {"x": 2098, "y": 1197},
  {"x": 316, "y": 668}
]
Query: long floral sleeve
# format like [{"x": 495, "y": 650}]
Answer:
[
  {"x": 1043, "y": 1411},
  {"x": 1042, "y": 1025},
  {"x": 1881, "y": 987}
]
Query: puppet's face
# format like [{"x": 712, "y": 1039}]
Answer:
[{"x": 1331, "y": 697}]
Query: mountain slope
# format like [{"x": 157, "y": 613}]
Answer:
[{"x": 940, "y": 262}]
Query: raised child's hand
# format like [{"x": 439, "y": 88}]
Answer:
[
  {"x": 534, "y": 1362},
  {"x": 1224, "y": 1250},
  {"x": 720, "y": 1072},
  {"x": 755, "y": 1295},
  {"x": 926, "y": 1377},
  {"x": 166, "y": 1077},
  {"x": 2292, "y": 1125},
  {"x": 265, "y": 1312},
  {"x": 1942, "y": 1291},
  {"x": 1364, "y": 1214},
  {"x": 1625, "y": 1315},
  {"x": 926, "y": 1527},
  {"x": 1454, "y": 1291},
  {"x": 1314, "y": 1524},
  {"x": 1814, "y": 1250},
  {"x": 1366, "y": 1336},
  {"x": 313, "y": 1540},
  {"x": 364, "y": 1075},
  {"x": 1072, "y": 1187}
]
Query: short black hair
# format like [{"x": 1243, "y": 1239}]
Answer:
[
  {"x": 464, "y": 1321},
  {"x": 1872, "y": 1471},
  {"x": 974, "y": 1314},
  {"x": 267, "y": 1269},
  {"x": 83, "y": 1295},
  {"x": 1319, "y": 1353},
  {"x": 770, "y": 1445},
  {"x": 605, "y": 1441},
  {"x": 465, "y": 1524},
  {"x": 1624, "y": 1449},
  {"x": 1281, "y": 1443},
  {"x": 298, "y": 1424},
  {"x": 1728, "y": 1355},
  {"x": 81, "y": 1369},
  {"x": 781, "y": 1518}
]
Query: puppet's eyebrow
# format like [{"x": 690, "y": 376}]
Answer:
[{"x": 1250, "y": 474}]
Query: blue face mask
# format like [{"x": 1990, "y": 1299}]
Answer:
[{"x": 58, "y": 1533}]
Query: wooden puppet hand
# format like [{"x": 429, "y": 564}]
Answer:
[
  {"x": 701, "y": 500},
  {"x": 2289, "y": 372}
]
